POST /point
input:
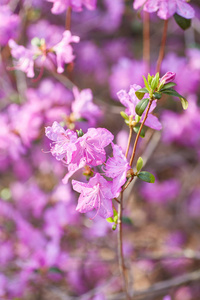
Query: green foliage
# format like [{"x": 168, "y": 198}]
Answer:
[
  {"x": 124, "y": 115},
  {"x": 155, "y": 82},
  {"x": 141, "y": 92},
  {"x": 146, "y": 84},
  {"x": 182, "y": 22},
  {"x": 146, "y": 176},
  {"x": 174, "y": 93},
  {"x": 80, "y": 132},
  {"x": 136, "y": 129},
  {"x": 141, "y": 106},
  {"x": 139, "y": 164}
]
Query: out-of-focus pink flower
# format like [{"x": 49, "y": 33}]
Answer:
[
  {"x": 25, "y": 58},
  {"x": 60, "y": 6},
  {"x": 83, "y": 106},
  {"x": 116, "y": 167},
  {"x": 96, "y": 194},
  {"x": 129, "y": 100},
  {"x": 9, "y": 25},
  {"x": 64, "y": 51},
  {"x": 166, "y": 8}
]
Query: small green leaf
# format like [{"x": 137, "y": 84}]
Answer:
[
  {"x": 110, "y": 220},
  {"x": 141, "y": 92},
  {"x": 172, "y": 92},
  {"x": 146, "y": 84},
  {"x": 139, "y": 164},
  {"x": 136, "y": 129},
  {"x": 80, "y": 132},
  {"x": 184, "y": 103},
  {"x": 55, "y": 270},
  {"x": 182, "y": 22},
  {"x": 141, "y": 106},
  {"x": 137, "y": 118},
  {"x": 114, "y": 227},
  {"x": 157, "y": 95},
  {"x": 155, "y": 82},
  {"x": 124, "y": 115},
  {"x": 146, "y": 176},
  {"x": 126, "y": 220},
  {"x": 167, "y": 86},
  {"x": 149, "y": 78}
]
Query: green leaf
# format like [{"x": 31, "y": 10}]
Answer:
[
  {"x": 146, "y": 176},
  {"x": 157, "y": 95},
  {"x": 110, "y": 220},
  {"x": 136, "y": 129},
  {"x": 141, "y": 106},
  {"x": 167, "y": 86},
  {"x": 124, "y": 115},
  {"x": 141, "y": 92},
  {"x": 155, "y": 82},
  {"x": 149, "y": 78},
  {"x": 146, "y": 84},
  {"x": 184, "y": 103},
  {"x": 126, "y": 220},
  {"x": 172, "y": 92},
  {"x": 80, "y": 132},
  {"x": 139, "y": 164},
  {"x": 137, "y": 118},
  {"x": 182, "y": 22},
  {"x": 55, "y": 270},
  {"x": 114, "y": 227}
]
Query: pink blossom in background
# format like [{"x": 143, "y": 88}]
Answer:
[
  {"x": 83, "y": 107},
  {"x": 166, "y": 8},
  {"x": 60, "y": 6},
  {"x": 96, "y": 194},
  {"x": 25, "y": 58},
  {"x": 9, "y": 25},
  {"x": 64, "y": 51}
]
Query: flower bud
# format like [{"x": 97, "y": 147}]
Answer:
[{"x": 168, "y": 77}]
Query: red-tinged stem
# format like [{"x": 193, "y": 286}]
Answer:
[
  {"x": 120, "y": 249},
  {"x": 146, "y": 40},
  {"x": 129, "y": 140},
  {"x": 68, "y": 18},
  {"x": 162, "y": 47},
  {"x": 139, "y": 131}
]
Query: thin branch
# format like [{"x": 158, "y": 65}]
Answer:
[
  {"x": 139, "y": 131},
  {"x": 129, "y": 139},
  {"x": 146, "y": 40},
  {"x": 68, "y": 18},
  {"x": 162, "y": 47}
]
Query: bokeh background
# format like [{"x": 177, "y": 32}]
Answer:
[{"x": 47, "y": 249}]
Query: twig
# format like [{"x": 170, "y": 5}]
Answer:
[
  {"x": 68, "y": 18},
  {"x": 146, "y": 40},
  {"x": 139, "y": 131},
  {"x": 162, "y": 47}
]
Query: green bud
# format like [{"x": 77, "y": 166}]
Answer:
[
  {"x": 139, "y": 164},
  {"x": 114, "y": 227},
  {"x": 80, "y": 132},
  {"x": 124, "y": 115}
]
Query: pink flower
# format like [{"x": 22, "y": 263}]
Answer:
[
  {"x": 64, "y": 141},
  {"x": 129, "y": 100},
  {"x": 168, "y": 77},
  {"x": 64, "y": 51},
  {"x": 83, "y": 106},
  {"x": 90, "y": 147},
  {"x": 116, "y": 168},
  {"x": 60, "y": 6},
  {"x": 96, "y": 194},
  {"x": 24, "y": 57},
  {"x": 166, "y": 8}
]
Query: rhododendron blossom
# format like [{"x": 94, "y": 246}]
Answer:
[
  {"x": 60, "y": 6},
  {"x": 129, "y": 100},
  {"x": 116, "y": 167},
  {"x": 96, "y": 194},
  {"x": 166, "y": 8}
]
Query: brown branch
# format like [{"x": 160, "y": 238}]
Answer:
[
  {"x": 139, "y": 131},
  {"x": 68, "y": 18},
  {"x": 146, "y": 40},
  {"x": 162, "y": 47}
]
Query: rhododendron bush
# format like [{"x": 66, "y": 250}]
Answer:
[{"x": 99, "y": 149}]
